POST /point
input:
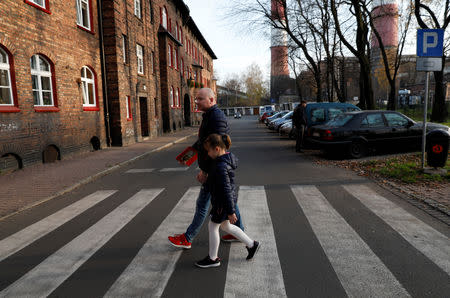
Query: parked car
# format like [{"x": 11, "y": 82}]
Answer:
[
  {"x": 275, "y": 116},
  {"x": 265, "y": 115},
  {"x": 275, "y": 124},
  {"x": 355, "y": 133},
  {"x": 237, "y": 115},
  {"x": 319, "y": 113}
]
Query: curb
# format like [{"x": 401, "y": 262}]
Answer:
[{"x": 96, "y": 176}]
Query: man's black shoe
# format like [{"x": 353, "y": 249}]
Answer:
[
  {"x": 207, "y": 262},
  {"x": 252, "y": 251}
]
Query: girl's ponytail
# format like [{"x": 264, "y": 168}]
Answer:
[{"x": 226, "y": 141}]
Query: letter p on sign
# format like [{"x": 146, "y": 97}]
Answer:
[{"x": 430, "y": 42}]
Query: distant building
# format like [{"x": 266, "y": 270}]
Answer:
[{"x": 229, "y": 98}]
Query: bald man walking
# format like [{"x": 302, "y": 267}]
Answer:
[{"x": 214, "y": 121}]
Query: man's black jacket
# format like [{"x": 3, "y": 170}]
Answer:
[
  {"x": 214, "y": 121},
  {"x": 299, "y": 116}
]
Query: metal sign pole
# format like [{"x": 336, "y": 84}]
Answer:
[{"x": 424, "y": 129}]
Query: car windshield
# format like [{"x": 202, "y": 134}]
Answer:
[
  {"x": 287, "y": 115},
  {"x": 340, "y": 120}
]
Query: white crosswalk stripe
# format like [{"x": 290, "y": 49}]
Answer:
[
  {"x": 148, "y": 273},
  {"x": 174, "y": 169},
  {"x": 360, "y": 271},
  {"x": 21, "y": 239},
  {"x": 262, "y": 276},
  {"x": 358, "y": 268},
  {"x": 48, "y": 275},
  {"x": 138, "y": 171},
  {"x": 430, "y": 242}
]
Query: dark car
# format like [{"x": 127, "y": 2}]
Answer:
[
  {"x": 319, "y": 113},
  {"x": 355, "y": 133}
]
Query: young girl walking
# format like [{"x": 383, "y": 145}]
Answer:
[{"x": 223, "y": 200}]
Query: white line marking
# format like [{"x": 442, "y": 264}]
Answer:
[
  {"x": 47, "y": 276},
  {"x": 136, "y": 171},
  {"x": 424, "y": 238},
  {"x": 174, "y": 169},
  {"x": 262, "y": 276},
  {"x": 28, "y": 235},
  {"x": 360, "y": 271},
  {"x": 147, "y": 275}
]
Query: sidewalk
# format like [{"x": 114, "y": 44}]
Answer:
[{"x": 36, "y": 184}]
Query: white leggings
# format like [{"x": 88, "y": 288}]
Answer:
[{"x": 214, "y": 237}]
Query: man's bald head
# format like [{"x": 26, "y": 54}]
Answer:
[{"x": 205, "y": 99}]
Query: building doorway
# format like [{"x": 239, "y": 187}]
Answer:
[
  {"x": 144, "y": 116},
  {"x": 187, "y": 110}
]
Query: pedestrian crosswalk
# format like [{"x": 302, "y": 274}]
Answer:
[{"x": 361, "y": 271}]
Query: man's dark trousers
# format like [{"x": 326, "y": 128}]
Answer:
[{"x": 300, "y": 135}]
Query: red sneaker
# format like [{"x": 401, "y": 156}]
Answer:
[
  {"x": 179, "y": 241},
  {"x": 229, "y": 238}
]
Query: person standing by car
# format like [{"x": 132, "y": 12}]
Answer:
[
  {"x": 214, "y": 121},
  {"x": 299, "y": 120}
]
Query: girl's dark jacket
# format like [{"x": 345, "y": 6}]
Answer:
[
  {"x": 221, "y": 185},
  {"x": 214, "y": 121}
]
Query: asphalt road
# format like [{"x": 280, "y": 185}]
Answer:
[{"x": 324, "y": 232}]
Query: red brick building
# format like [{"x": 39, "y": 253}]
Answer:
[
  {"x": 54, "y": 56},
  {"x": 151, "y": 49},
  {"x": 51, "y": 101}
]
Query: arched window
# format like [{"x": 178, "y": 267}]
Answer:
[
  {"x": 178, "y": 98},
  {"x": 182, "y": 67},
  {"x": 170, "y": 63},
  {"x": 6, "y": 93},
  {"x": 172, "y": 99},
  {"x": 164, "y": 17},
  {"x": 41, "y": 76},
  {"x": 88, "y": 87}
]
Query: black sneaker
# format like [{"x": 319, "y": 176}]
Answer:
[
  {"x": 207, "y": 262},
  {"x": 252, "y": 251}
]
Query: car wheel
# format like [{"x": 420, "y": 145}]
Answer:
[{"x": 357, "y": 149}]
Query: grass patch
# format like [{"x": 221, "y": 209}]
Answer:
[{"x": 406, "y": 169}]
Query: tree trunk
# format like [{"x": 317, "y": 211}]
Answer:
[
  {"x": 439, "y": 113},
  {"x": 392, "y": 103}
]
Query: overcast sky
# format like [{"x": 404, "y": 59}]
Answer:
[{"x": 235, "y": 52}]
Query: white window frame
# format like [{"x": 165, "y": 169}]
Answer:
[
  {"x": 172, "y": 99},
  {"x": 80, "y": 14},
  {"x": 87, "y": 83},
  {"x": 164, "y": 21},
  {"x": 43, "y": 3},
  {"x": 127, "y": 106},
  {"x": 39, "y": 74},
  {"x": 6, "y": 66},
  {"x": 140, "y": 58},
  {"x": 170, "y": 56},
  {"x": 175, "y": 56},
  {"x": 124, "y": 48},
  {"x": 138, "y": 8}
]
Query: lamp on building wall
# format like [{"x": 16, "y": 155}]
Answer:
[{"x": 78, "y": 80}]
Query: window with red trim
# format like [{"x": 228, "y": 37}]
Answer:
[
  {"x": 84, "y": 15},
  {"x": 89, "y": 89},
  {"x": 128, "y": 108},
  {"x": 171, "y": 97},
  {"x": 43, "y": 83},
  {"x": 43, "y": 5},
  {"x": 175, "y": 55},
  {"x": 8, "y": 91}
]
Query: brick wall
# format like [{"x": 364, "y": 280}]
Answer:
[{"x": 26, "y": 31}]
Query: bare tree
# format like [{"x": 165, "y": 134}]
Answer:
[
  {"x": 428, "y": 14},
  {"x": 254, "y": 84},
  {"x": 358, "y": 43}
]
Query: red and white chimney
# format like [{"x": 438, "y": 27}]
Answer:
[{"x": 279, "y": 52}]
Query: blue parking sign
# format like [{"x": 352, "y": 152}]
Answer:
[{"x": 430, "y": 42}]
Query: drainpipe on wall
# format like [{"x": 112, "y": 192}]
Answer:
[{"x": 103, "y": 62}]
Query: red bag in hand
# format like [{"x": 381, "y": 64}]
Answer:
[{"x": 188, "y": 156}]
